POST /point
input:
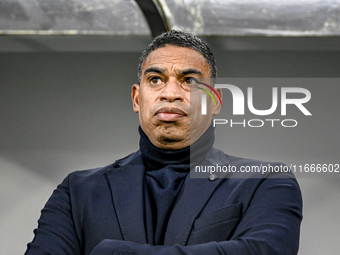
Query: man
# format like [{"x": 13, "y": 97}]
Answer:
[{"x": 146, "y": 203}]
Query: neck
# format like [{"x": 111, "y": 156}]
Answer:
[{"x": 156, "y": 158}]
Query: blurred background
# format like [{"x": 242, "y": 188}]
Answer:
[{"x": 66, "y": 71}]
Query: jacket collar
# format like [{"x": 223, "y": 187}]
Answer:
[
  {"x": 195, "y": 194},
  {"x": 126, "y": 182}
]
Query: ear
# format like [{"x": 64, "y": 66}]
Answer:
[
  {"x": 135, "y": 97},
  {"x": 217, "y": 108}
]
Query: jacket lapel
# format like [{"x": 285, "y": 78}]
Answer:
[
  {"x": 126, "y": 182},
  {"x": 196, "y": 193}
]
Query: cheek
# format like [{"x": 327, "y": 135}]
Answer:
[
  {"x": 196, "y": 105},
  {"x": 195, "y": 99},
  {"x": 145, "y": 105},
  {"x": 148, "y": 96},
  {"x": 196, "y": 117},
  {"x": 144, "y": 100}
]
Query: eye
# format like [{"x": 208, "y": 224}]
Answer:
[
  {"x": 155, "y": 80},
  {"x": 190, "y": 81}
]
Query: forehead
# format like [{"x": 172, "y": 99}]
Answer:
[{"x": 174, "y": 58}]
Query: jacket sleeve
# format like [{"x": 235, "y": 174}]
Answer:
[
  {"x": 269, "y": 226},
  {"x": 56, "y": 233}
]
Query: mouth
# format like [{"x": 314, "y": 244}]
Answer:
[{"x": 169, "y": 114}]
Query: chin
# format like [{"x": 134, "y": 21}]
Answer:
[
  {"x": 173, "y": 146},
  {"x": 173, "y": 142},
  {"x": 171, "y": 138}
]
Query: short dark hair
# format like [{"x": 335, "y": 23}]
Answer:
[{"x": 181, "y": 39}]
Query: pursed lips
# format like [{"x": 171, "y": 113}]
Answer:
[{"x": 169, "y": 114}]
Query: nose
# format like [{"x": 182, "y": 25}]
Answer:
[{"x": 172, "y": 91}]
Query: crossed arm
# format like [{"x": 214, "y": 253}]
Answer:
[{"x": 269, "y": 226}]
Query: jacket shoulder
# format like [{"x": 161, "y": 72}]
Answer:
[{"x": 95, "y": 175}]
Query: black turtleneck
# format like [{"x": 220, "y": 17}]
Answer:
[{"x": 164, "y": 176}]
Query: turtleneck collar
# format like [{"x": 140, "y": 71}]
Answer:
[{"x": 156, "y": 158}]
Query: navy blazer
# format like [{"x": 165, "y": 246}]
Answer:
[{"x": 101, "y": 211}]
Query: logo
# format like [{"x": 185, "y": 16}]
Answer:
[
  {"x": 295, "y": 96},
  {"x": 204, "y": 97},
  {"x": 212, "y": 89}
]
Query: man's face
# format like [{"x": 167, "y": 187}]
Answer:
[{"x": 162, "y": 99}]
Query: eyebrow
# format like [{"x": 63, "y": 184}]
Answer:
[
  {"x": 191, "y": 71},
  {"x": 154, "y": 70},
  {"x": 161, "y": 70}
]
